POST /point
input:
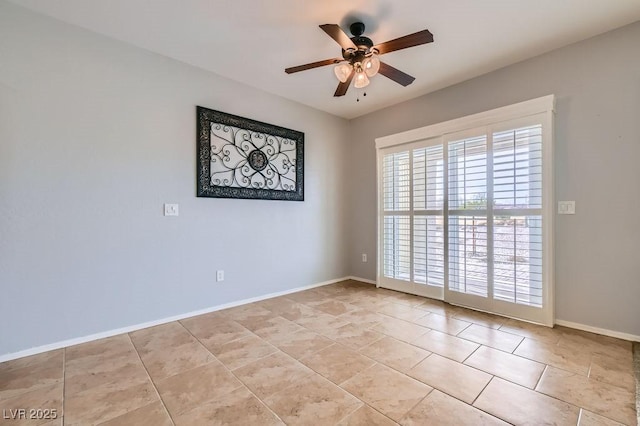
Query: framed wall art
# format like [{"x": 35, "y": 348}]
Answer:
[{"x": 243, "y": 158}]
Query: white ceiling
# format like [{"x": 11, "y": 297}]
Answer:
[{"x": 252, "y": 41}]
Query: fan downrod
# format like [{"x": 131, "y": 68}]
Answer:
[{"x": 363, "y": 43}]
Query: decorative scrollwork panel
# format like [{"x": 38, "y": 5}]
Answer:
[{"x": 243, "y": 158}]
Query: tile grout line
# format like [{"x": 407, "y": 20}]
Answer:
[
  {"x": 535, "y": 387},
  {"x": 483, "y": 388},
  {"x": 366, "y": 403},
  {"x": 519, "y": 344},
  {"x": 260, "y": 337},
  {"x": 370, "y": 328},
  {"x": 580, "y": 408},
  {"x": 417, "y": 403},
  {"x": 243, "y": 365},
  {"x": 463, "y": 330},
  {"x": 150, "y": 379},
  {"x": 478, "y": 396},
  {"x": 469, "y": 356},
  {"x": 242, "y": 384},
  {"x": 552, "y": 396},
  {"x": 407, "y": 376}
]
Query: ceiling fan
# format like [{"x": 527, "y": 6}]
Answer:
[{"x": 360, "y": 57}]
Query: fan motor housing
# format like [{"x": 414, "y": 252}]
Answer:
[{"x": 362, "y": 42}]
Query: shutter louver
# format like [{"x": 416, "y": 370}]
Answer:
[
  {"x": 397, "y": 227},
  {"x": 517, "y": 223},
  {"x": 428, "y": 178},
  {"x": 428, "y": 250},
  {"x": 428, "y": 226},
  {"x": 517, "y": 259},
  {"x": 467, "y": 173},
  {"x": 397, "y": 245},
  {"x": 396, "y": 181},
  {"x": 517, "y": 168}
]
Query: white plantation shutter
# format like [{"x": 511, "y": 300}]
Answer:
[
  {"x": 428, "y": 225},
  {"x": 397, "y": 247},
  {"x": 468, "y": 242},
  {"x": 517, "y": 168},
  {"x": 466, "y": 209},
  {"x": 396, "y": 183},
  {"x": 517, "y": 222},
  {"x": 468, "y": 174},
  {"x": 428, "y": 250},
  {"x": 428, "y": 178}
]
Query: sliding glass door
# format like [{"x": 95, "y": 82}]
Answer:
[{"x": 461, "y": 219}]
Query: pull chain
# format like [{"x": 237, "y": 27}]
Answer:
[{"x": 358, "y": 95}]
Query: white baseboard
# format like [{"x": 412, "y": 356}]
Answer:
[
  {"x": 597, "y": 330},
  {"x": 128, "y": 329},
  {"x": 364, "y": 280}
]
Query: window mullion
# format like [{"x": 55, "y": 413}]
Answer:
[
  {"x": 490, "y": 265},
  {"x": 411, "y": 224},
  {"x": 445, "y": 212}
]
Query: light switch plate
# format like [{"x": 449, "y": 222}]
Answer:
[
  {"x": 566, "y": 207},
  {"x": 171, "y": 210}
]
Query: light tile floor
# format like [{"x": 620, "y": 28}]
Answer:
[{"x": 347, "y": 354}]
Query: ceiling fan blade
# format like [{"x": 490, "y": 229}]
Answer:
[
  {"x": 342, "y": 87},
  {"x": 335, "y": 32},
  {"x": 313, "y": 65},
  {"x": 395, "y": 74},
  {"x": 415, "y": 39}
]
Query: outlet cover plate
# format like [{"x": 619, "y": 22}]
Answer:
[
  {"x": 566, "y": 207},
  {"x": 171, "y": 210}
]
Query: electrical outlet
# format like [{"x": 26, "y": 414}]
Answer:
[
  {"x": 566, "y": 207},
  {"x": 219, "y": 275},
  {"x": 171, "y": 210},
  {"x": 364, "y": 257}
]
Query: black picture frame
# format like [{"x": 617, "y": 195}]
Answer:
[{"x": 266, "y": 161}]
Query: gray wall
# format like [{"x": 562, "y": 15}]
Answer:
[
  {"x": 95, "y": 136},
  {"x": 597, "y": 154}
]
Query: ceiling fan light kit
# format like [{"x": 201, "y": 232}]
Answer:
[
  {"x": 343, "y": 71},
  {"x": 360, "y": 59},
  {"x": 371, "y": 65},
  {"x": 361, "y": 80}
]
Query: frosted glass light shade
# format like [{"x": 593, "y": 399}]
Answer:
[
  {"x": 343, "y": 71},
  {"x": 371, "y": 65},
  {"x": 361, "y": 80}
]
